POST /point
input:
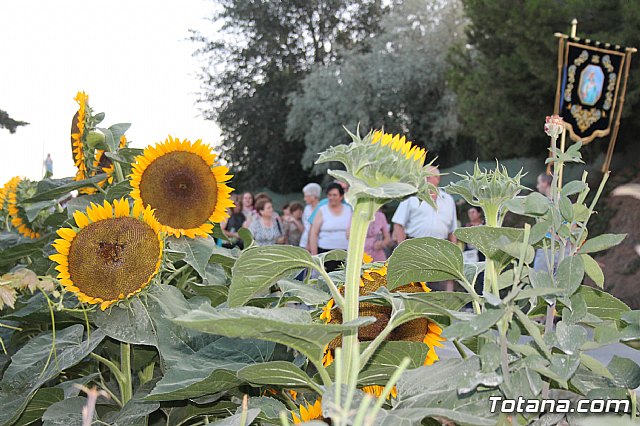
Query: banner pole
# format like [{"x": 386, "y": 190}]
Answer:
[
  {"x": 556, "y": 105},
  {"x": 616, "y": 127}
]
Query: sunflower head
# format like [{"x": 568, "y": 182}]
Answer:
[
  {"x": 78, "y": 135},
  {"x": 418, "y": 330},
  {"x": 180, "y": 181},
  {"x": 376, "y": 390},
  {"x": 381, "y": 166},
  {"x": 5, "y": 191},
  {"x": 111, "y": 254},
  {"x": 20, "y": 189},
  {"x": 308, "y": 412}
]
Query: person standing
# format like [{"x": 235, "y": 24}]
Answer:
[
  {"x": 266, "y": 227},
  {"x": 232, "y": 225},
  {"x": 378, "y": 237},
  {"x": 329, "y": 228},
  {"x": 311, "y": 192},
  {"x": 416, "y": 219},
  {"x": 48, "y": 167},
  {"x": 293, "y": 226}
]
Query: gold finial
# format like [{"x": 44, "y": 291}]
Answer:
[{"x": 574, "y": 26}]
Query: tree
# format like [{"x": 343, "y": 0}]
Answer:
[
  {"x": 262, "y": 52},
  {"x": 505, "y": 77},
  {"x": 9, "y": 123},
  {"x": 398, "y": 82}
]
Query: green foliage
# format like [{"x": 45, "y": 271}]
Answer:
[
  {"x": 506, "y": 73},
  {"x": 266, "y": 49},
  {"x": 397, "y": 82}
]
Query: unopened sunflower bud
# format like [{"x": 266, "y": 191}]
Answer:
[{"x": 554, "y": 125}]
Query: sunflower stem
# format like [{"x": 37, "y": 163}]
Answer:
[
  {"x": 460, "y": 349},
  {"x": 284, "y": 420},
  {"x": 389, "y": 387},
  {"x": 362, "y": 215},
  {"x": 117, "y": 374},
  {"x": 126, "y": 389}
]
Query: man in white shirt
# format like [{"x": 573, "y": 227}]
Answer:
[{"x": 415, "y": 218}]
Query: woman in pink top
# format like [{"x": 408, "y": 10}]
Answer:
[{"x": 378, "y": 238}]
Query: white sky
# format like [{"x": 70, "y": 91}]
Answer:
[{"x": 131, "y": 57}]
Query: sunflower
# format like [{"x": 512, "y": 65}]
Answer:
[
  {"x": 179, "y": 181},
  {"x": 16, "y": 214},
  {"x": 400, "y": 145},
  {"x": 6, "y": 190},
  {"x": 111, "y": 255},
  {"x": 376, "y": 390},
  {"x": 308, "y": 412},
  {"x": 78, "y": 124},
  {"x": 418, "y": 330}
]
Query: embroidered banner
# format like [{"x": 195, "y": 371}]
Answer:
[{"x": 590, "y": 83}]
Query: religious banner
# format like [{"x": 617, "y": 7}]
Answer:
[{"x": 591, "y": 82}]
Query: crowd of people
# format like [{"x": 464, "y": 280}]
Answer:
[{"x": 322, "y": 224}]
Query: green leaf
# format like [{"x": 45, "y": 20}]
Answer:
[
  {"x": 417, "y": 305},
  {"x": 573, "y": 187},
  {"x": 42, "y": 399},
  {"x": 32, "y": 210},
  {"x": 67, "y": 412},
  {"x": 10, "y": 255},
  {"x": 278, "y": 373},
  {"x": 181, "y": 415},
  {"x": 533, "y": 331},
  {"x": 524, "y": 383},
  {"x": 602, "y": 304},
  {"x": 258, "y": 268},
  {"x": 270, "y": 409},
  {"x": 134, "y": 412},
  {"x": 59, "y": 187},
  {"x": 566, "y": 209},
  {"x": 119, "y": 190},
  {"x": 593, "y": 270},
  {"x": 602, "y": 242},
  {"x": 81, "y": 203},
  {"x": 595, "y": 366},
  {"x": 539, "y": 231},
  {"x": 625, "y": 372},
  {"x": 424, "y": 259},
  {"x": 385, "y": 360},
  {"x": 291, "y": 327},
  {"x": 570, "y": 274},
  {"x": 486, "y": 238},
  {"x": 210, "y": 369},
  {"x": 436, "y": 387},
  {"x": 570, "y": 337},
  {"x": 246, "y": 237},
  {"x": 236, "y": 419},
  {"x": 197, "y": 251},
  {"x": 130, "y": 324},
  {"x": 306, "y": 293},
  {"x": 216, "y": 293},
  {"x": 534, "y": 204},
  {"x": 530, "y": 292},
  {"x": 477, "y": 325},
  {"x": 414, "y": 416},
  {"x": 29, "y": 368}
]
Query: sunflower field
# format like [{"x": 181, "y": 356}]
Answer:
[{"x": 117, "y": 307}]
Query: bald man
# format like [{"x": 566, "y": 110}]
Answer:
[{"x": 415, "y": 218}]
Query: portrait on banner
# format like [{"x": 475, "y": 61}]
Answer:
[{"x": 591, "y": 77}]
